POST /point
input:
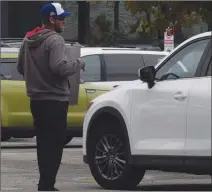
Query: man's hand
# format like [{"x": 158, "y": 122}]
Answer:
[{"x": 82, "y": 63}]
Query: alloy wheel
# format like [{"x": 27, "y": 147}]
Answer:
[{"x": 110, "y": 156}]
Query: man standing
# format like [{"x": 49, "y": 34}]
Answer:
[{"x": 45, "y": 67}]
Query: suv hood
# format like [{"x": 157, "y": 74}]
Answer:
[{"x": 108, "y": 84}]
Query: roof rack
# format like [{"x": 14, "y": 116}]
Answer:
[
  {"x": 139, "y": 47},
  {"x": 11, "y": 40},
  {"x": 150, "y": 48},
  {"x": 117, "y": 48},
  {"x": 5, "y": 45},
  {"x": 74, "y": 43}
]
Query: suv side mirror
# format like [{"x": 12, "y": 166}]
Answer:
[{"x": 147, "y": 74}]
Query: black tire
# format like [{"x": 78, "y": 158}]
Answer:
[
  {"x": 130, "y": 176},
  {"x": 68, "y": 140},
  {"x": 5, "y": 138}
]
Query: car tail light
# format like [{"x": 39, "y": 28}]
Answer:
[{"x": 89, "y": 105}]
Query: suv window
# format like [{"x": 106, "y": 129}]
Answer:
[
  {"x": 92, "y": 68},
  {"x": 184, "y": 63},
  {"x": 8, "y": 70},
  {"x": 123, "y": 67},
  {"x": 152, "y": 60}
]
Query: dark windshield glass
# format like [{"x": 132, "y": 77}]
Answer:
[
  {"x": 123, "y": 67},
  {"x": 8, "y": 70}
]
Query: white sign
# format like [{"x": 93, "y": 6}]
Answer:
[{"x": 168, "y": 40}]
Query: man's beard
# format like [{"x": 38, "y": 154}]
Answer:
[{"x": 59, "y": 29}]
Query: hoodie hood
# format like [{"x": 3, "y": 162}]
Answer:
[{"x": 35, "y": 37}]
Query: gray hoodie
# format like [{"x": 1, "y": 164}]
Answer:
[{"x": 44, "y": 64}]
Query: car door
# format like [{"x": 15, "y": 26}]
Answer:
[
  {"x": 198, "y": 142},
  {"x": 158, "y": 115},
  {"x": 13, "y": 93}
]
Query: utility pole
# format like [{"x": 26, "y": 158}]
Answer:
[
  {"x": 116, "y": 15},
  {"x": 83, "y": 17}
]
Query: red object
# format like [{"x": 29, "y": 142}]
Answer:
[
  {"x": 37, "y": 29},
  {"x": 89, "y": 105}
]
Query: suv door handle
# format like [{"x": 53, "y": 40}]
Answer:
[
  {"x": 180, "y": 96},
  {"x": 90, "y": 90}
]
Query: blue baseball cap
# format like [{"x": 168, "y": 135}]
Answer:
[{"x": 54, "y": 10}]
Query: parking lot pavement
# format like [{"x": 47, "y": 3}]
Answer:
[
  {"x": 19, "y": 173},
  {"x": 31, "y": 143}
]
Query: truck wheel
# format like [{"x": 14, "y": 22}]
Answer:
[
  {"x": 107, "y": 158},
  {"x": 68, "y": 139}
]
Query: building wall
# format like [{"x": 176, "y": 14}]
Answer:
[
  {"x": 27, "y": 19},
  {"x": 97, "y": 9},
  {"x": 125, "y": 20},
  {"x": 4, "y": 19},
  {"x": 16, "y": 20},
  {"x": 71, "y": 26}
]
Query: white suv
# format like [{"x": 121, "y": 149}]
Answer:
[{"x": 160, "y": 122}]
